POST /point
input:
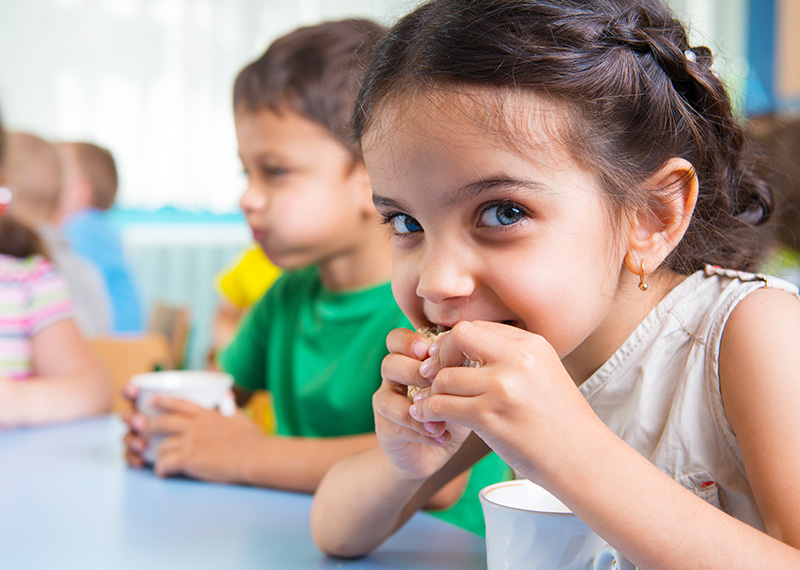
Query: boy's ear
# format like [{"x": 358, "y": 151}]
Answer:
[
  {"x": 360, "y": 179},
  {"x": 658, "y": 227}
]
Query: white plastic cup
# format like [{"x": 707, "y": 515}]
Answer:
[
  {"x": 206, "y": 388},
  {"x": 528, "y": 528}
]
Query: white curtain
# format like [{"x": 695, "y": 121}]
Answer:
[{"x": 152, "y": 79}]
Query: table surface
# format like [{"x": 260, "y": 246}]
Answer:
[{"x": 67, "y": 500}]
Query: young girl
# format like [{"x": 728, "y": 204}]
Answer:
[
  {"x": 562, "y": 179},
  {"x": 47, "y": 371}
]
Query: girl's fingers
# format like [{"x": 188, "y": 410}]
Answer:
[
  {"x": 408, "y": 343},
  {"x": 393, "y": 408},
  {"x": 402, "y": 372},
  {"x": 478, "y": 341},
  {"x": 443, "y": 408}
]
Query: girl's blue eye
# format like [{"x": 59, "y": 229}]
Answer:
[
  {"x": 404, "y": 224},
  {"x": 502, "y": 215}
]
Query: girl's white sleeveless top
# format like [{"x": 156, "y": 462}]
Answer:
[{"x": 660, "y": 391}]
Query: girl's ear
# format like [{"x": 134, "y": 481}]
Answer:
[{"x": 658, "y": 227}]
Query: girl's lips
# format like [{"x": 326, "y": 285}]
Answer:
[
  {"x": 447, "y": 327},
  {"x": 258, "y": 235}
]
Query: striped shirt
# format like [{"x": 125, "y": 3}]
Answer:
[{"x": 33, "y": 296}]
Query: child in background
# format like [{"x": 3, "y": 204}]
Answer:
[
  {"x": 779, "y": 140},
  {"x": 90, "y": 188},
  {"x": 564, "y": 179},
  {"x": 34, "y": 178},
  {"x": 47, "y": 370},
  {"x": 316, "y": 340}
]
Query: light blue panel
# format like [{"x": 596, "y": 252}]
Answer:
[{"x": 177, "y": 264}]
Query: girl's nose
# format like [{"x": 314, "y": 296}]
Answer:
[
  {"x": 254, "y": 199},
  {"x": 444, "y": 276}
]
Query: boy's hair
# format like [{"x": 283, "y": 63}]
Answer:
[
  {"x": 635, "y": 91},
  {"x": 313, "y": 71},
  {"x": 33, "y": 175},
  {"x": 96, "y": 164},
  {"x": 16, "y": 239}
]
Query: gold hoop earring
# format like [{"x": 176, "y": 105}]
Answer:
[{"x": 642, "y": 284}]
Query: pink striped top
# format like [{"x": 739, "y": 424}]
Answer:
[{"x": 33, "y": 295}]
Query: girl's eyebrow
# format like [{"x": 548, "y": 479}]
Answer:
[
  {"x": 471, "y": 190},
  {"x": 380, "y": 201},
  {"x": 495, "y": 183}
]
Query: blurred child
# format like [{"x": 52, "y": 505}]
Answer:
[
  {"x": 34, "y": 177},
  {"x": 90, "y": 188},
  {"x": 565, "y": 180},
  {"x": 316, "y": 340},
  {"x": 47, "y": 370},
  {"x": 779, "y": 141}
]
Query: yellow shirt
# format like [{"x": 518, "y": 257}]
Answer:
[{"x": 246, "y": 280}]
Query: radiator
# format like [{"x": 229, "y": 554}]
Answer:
[{"x": 176, "y": 264}]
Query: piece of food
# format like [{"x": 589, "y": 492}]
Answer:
[{"x": 433, "y": 333}]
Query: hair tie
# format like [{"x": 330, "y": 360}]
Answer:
[{"x": 690, "y": 55}]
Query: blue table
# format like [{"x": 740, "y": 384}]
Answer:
[{"x": 67, "y": 501}]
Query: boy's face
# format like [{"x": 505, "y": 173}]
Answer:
[{"x": 305, "y": 200}]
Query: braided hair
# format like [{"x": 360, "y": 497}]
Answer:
[{"x": 638, "y": 93}]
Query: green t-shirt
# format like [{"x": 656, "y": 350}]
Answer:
[{"x": 319, "y": 353}]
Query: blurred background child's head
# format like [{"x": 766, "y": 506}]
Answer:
[
  {"x": 33, "y": 175},
  {"x": 89, "y": 176}
]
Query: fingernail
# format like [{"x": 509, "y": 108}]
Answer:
[
  {"x": 432, "y": 349},
  {"x": 138, "y": 422},
  {"x": 412, "y": 411},
  {"x": 419, "y": 396},
  {"x": 426, "y": 368},
  {"x": 420, "y": 349},
  {"x": 431, "y": 427},
  {"x": 444, "y": 438}
]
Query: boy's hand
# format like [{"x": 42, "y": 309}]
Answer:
[
  {"x": 202, "y": 443},
  {"x": 135, "y": 441},
  {"x": 417, "y": 449},
  {"x": 521, "y": 401}
]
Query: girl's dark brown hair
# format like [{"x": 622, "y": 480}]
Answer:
[
  {"x": 638, "y": 93},
  {"x": 16, "y": 238},
  {"x": 314, "y": 71}
]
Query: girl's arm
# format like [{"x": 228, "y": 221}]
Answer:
[
  {"x": 530, "y": 412},
  {"x": 68, "y": 382},
  {"x": 365, "y": 498}
]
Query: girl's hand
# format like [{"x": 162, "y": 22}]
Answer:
[
  {"x": 521, "y": 401},
  {"x": 418, "y": 449}
]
